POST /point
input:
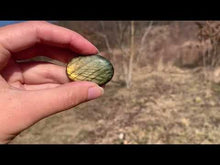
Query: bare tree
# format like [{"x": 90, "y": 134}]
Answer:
[
  {"x": 210, "y": 30},
  {"x": 143, "y": 40},
  {"x": 132, "y": 51},
  {"x": 104, "y": 36},
  {"x": 119, "y": 39}
]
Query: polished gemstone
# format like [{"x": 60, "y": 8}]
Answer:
[{"x": 94, "y": 68}]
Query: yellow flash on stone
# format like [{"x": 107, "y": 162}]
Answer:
[{"x": 94, "y": 68}]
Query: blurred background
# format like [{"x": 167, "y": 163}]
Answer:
[{"x": 166, "y": 87}]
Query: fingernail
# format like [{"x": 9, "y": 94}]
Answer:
[{"x": 95, "y": 92}]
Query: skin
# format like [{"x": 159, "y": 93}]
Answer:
[{"x": 31, "y": 91}]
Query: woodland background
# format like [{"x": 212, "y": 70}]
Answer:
[{"x": 166, "y": 87}]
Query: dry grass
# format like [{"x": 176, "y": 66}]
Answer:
[{"x": 168, "y": 105}]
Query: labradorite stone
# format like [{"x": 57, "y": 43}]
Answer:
[{"x": 93, "y": 68}]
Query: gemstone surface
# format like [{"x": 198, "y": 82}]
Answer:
[{"x": 94, "y": 68}]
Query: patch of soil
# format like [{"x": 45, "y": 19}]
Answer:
[{"x": 167, "y": 106}]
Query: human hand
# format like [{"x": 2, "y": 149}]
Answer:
[{"x": 31, "y": 91}]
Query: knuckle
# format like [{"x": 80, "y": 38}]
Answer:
[{"x": 36, "y": 24}]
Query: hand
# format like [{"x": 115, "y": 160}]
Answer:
[{"x": 31, "y": 91}]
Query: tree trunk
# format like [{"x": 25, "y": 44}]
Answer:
[{"x": 130, "y": 68}]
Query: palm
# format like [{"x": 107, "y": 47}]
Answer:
[
  {"x": 33, "y": 75},
  {"x": 33, "y": 101}
]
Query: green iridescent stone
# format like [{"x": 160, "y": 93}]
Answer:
[{"x": 94, "y": 68}]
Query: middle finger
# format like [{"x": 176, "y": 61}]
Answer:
[
  {"x": 43, "y": 72},
  {"x": 60, "y": 54}
]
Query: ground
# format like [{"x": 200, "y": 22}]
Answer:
[{"x": 164, "y": 105}]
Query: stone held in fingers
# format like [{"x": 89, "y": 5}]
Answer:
[{"x": 94, "y": 68}]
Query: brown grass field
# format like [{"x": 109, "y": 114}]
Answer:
[
  {"x": 165, "y": 105},
  {"x": 172, "y": 106}
]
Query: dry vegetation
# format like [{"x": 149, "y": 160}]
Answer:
[{"x": 174, "y": 96}]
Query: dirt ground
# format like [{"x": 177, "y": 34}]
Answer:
[{"x": 165, "y": 105}]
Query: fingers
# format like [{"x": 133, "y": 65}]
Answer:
[
  {"x": 40, "y": 86},
  {"x": 18, "y": 37},
  {"x": 23, "y": 35},
  {"x": 12, "y": 73},
  {"x": 24, "y": 108},
  {"x": 39, "y": 104},
  {"x": 42, "y": 72},
  {"x": 4, "y": 57},
  {"x": 60, "y": 54}
]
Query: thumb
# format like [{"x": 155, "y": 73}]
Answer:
[{"x": 42, "y": 103}]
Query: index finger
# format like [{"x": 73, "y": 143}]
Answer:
[{"x": 18, "y": 37}]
